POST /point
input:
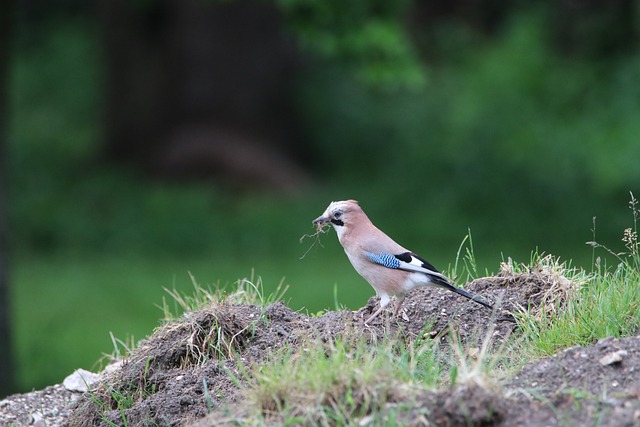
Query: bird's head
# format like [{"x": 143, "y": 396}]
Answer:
[{"x": 338, "y": 214}]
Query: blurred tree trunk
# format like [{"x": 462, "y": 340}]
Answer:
[
  {"x": 6, "y": 352},
  {"x": 202, "y": 88}
]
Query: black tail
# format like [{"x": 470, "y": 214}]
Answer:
[
  {"x": 473, "y": 298},
  {"x": 440, "y": 281}
]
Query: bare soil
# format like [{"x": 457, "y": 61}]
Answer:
[{"x": 190, "y": 372}]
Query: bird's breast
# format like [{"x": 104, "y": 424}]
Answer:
[{"x": 382, "y": 279}]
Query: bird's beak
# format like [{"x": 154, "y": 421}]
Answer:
[{"x": 321, "y": 220}]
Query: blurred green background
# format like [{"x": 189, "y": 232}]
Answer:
[{"x": 149, "y": 139}]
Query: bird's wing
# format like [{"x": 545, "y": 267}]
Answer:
[{"x": 407, "y": 261}]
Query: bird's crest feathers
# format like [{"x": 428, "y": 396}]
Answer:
[{"x": 344, "y": 205}]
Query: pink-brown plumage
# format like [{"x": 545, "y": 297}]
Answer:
[{"x": 390, "y": 269}]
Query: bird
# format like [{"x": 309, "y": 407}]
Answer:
[{"x": 389, "y": 268}]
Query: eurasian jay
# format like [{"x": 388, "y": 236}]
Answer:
[{"x": 388, "y": 267}]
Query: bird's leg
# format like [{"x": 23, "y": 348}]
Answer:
[
  {"x": 382, "y": 307},
  {"x": 400, "y": 301},
  {"x": 384, "y": 301},
  {"x": 374, "y": 315}
]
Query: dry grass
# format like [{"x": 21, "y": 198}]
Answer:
[
  {"x": 320, "y": 229},
  {"x": 560, "y": 283}
]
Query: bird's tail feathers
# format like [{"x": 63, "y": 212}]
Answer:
[{"x": 449, "y": 286}]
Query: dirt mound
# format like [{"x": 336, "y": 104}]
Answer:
[
  {"x": 596, "y": 385},
  {"x": 196, "y": 365}
]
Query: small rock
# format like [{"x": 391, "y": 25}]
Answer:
[
  {"x": 366, "y": 421},
  {"x": 432, "y": 334},
  {"x": 612, "y": 358},
  {"x": 38, "y": 420},
  {"x": 605, "y": 342},
  {"x": 80, "y": 380},
  {"x": 112, "y": 367},
  {"x": 474, "y": 352}
]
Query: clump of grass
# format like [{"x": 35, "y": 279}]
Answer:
[
  {"x": 468, "y": 260},
  {"x": 202, "y": 322},
  {"x": 247, "y": 291},
  {"x": 329, "y": 386},
  {"x": 349, "y": 383},
  {"x": 205, "y": 322},
  {"x": 600, "y": 305},
  {"x": 214, "y": 325},
  {"x": 582, "y": 307},
  {"x": 561, "y": 283},
  {"x": 216, "y": 341},
  {"x": 120, "y": 397},
  {"x": 344, "y": 384},
  {"x": 201, "y": 319},
  {"x": 475, "y": 366}
]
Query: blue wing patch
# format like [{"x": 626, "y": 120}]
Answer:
[{"x": 384, "y": 259}]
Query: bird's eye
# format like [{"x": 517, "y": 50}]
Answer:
[{"x": 337, "y": 214}]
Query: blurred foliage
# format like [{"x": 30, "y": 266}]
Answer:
[
  {"x": 368, "y": 38},
  {"x": 510, "y": 133}
]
